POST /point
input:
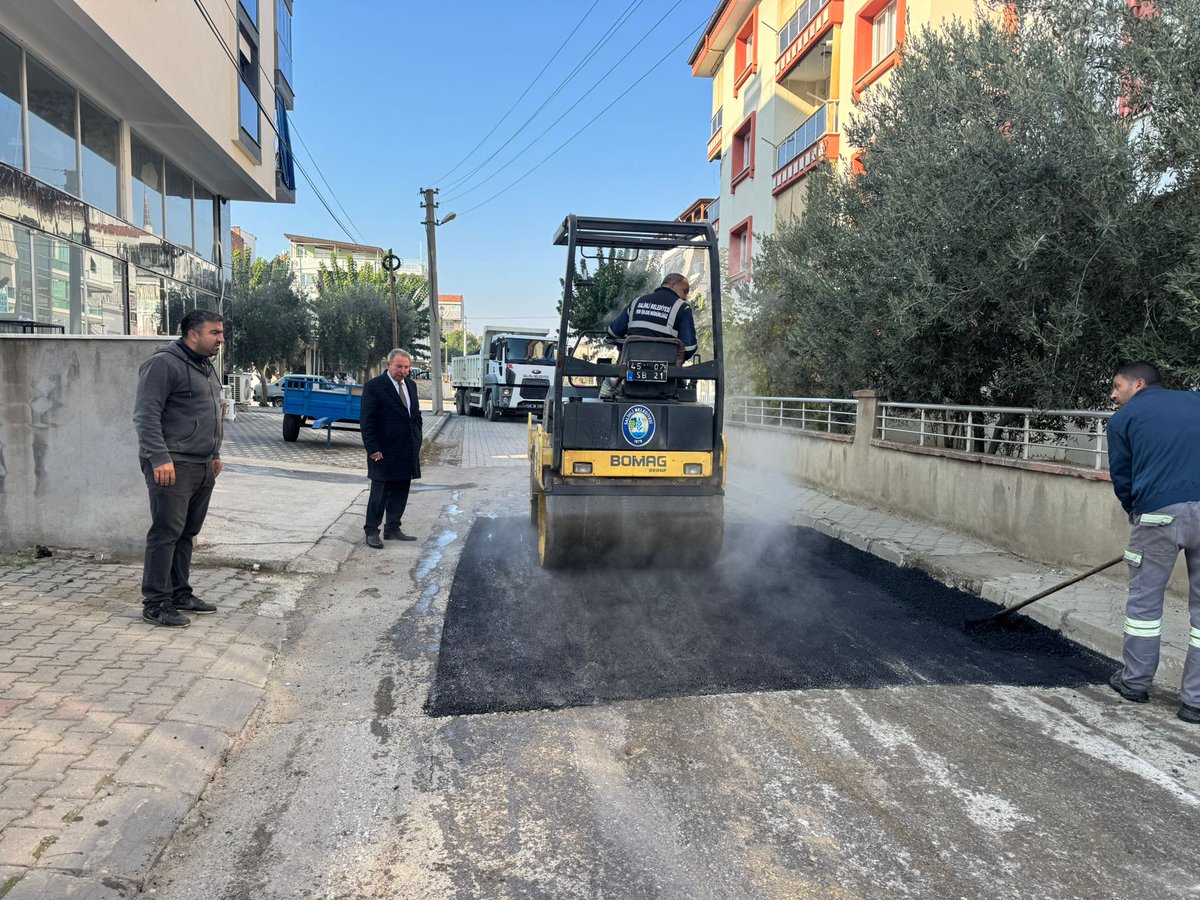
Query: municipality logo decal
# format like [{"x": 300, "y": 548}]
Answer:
[{"x": 638, "y": 425}]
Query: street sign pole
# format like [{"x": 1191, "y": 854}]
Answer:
[{"x": 391, "y": 262}]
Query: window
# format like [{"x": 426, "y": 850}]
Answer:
[
  {"x": 12, "y": 134},
  {"x": 745, "y": 62},
  {"x": 741, "y": 237},
  {"x": 204, "y": 222},
  {"x": 248, "y": 118},
  {"x": 743, "y": 151},
  {"x": 883, "y": 34},
  {"x": 250, "y": 8},
  {"x": 178, "y": 207},
  {"x": 283, "y": 42},
  {"x": 51, "y": 128},
  {"x": 148, "y": 182},
  {"x": 878, "y": 36},
  {"x": 98, "y": 136}
]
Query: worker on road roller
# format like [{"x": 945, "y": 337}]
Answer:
[
  {"x": 637, "y": 478},
  {"x": 662, "y": 313}
]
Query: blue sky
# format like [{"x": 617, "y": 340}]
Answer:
[{"x": 391, "y": 95}]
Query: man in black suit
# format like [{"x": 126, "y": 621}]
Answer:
[{"x": 391, "y": 432}]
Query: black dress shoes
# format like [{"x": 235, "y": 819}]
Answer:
[
  {"x": 395, "y": 534},
  {"x": 374, "y": 541}
]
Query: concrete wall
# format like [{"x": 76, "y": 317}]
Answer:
[
  {"x": 1047, "y": 512},
  {"x": 69, "y": 473}
]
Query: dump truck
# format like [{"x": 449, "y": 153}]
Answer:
[
  {"x": 509, "y": 375},
  {"x": 638, "y": 478}
]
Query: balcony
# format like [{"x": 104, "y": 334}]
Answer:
[
  {"x": 713, "y": 213},
  {"x": 804, "y": 31},
  {"x": 800, "y": 151},
  {"x": 714, "y": 141}
]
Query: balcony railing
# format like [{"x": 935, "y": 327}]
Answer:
[
  {"x": 798, "y": 22},
  {"x": 714, "y": 211},
  {"x": 823, "y": 121},
  {"x": 716, "y": 122}
]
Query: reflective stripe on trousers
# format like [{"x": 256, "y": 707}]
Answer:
[{"x": 1154, "y": 545}]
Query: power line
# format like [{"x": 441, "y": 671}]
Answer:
[
  {"x": 361, "y": 238},
  {"x": 587, "y": 124},
  {"x": 604, "y": 39},
  {"x": 311, "y": 157},
  {"x": 508, "y": 112},
  {"x": 270, "y": 121},
  {"x": 569, "y": 109}
]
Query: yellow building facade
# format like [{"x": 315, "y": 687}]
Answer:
[{"x": 786, "y": 75}]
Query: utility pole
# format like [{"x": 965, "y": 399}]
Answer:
[
  {"x": 435, "y": 331},
  {"x": 391, "y": 262}
]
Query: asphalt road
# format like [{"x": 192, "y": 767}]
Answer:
[
  {"x": 782, "y": 609},
  {"x": 801, "y": 722}
]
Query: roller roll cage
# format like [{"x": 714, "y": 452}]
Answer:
[{"x": 577, "y": 232}]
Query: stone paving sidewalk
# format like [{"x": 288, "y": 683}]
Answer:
[
  {"x": 109, "y": 729},
  {"x": 1091, "y": 612}
]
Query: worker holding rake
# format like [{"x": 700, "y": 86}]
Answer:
[{"x": 1154, "y": 461}]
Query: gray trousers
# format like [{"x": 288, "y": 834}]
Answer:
[
  {"x": 1154, "y": 545},
  {"x": 177, "y": 512}
]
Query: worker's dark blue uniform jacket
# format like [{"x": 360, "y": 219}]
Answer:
[
  {"x": 1154, "y": 449},
  {"x": 662, "y": 313}
]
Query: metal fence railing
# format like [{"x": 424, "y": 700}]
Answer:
[
  {"x": 819, "y": 414},
  {"x": 1071, "y": 436}
]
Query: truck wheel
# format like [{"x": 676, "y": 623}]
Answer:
[
  {"x": 460, "y": 402},
  {"x": 489, "y": 410},
  {"x": 291, "y": 427}
]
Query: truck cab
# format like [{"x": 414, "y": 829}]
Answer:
[{"x": 509, "y": 376}]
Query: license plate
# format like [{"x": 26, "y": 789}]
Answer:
[{"x": 642, "y": 370}]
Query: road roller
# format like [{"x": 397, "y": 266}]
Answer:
[{"x": 634, "y": 475}]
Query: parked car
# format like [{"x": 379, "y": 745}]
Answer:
[{"x": 275, "y": 388}]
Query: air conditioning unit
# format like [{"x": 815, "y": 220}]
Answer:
[{"x": 241, "y": 386}]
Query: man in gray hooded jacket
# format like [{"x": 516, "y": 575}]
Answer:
[{"x": 178, "y": 420}]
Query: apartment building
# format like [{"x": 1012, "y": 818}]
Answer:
[
  {"x": 127, "y": 128},
  {"x": 308, "y": 254},
  {"x": 786, "y": 74}
]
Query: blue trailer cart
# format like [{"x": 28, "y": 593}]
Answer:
[{"x": 319, "y": 403}]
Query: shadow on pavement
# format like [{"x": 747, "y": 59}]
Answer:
[{"x": 784, "y": 608}]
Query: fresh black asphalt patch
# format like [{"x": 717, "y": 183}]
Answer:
[{"x": 783, "y": 609}]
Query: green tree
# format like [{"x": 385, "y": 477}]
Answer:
[
  {"x": 270, "y": 321},
  {"x": 452, "y": 343},
  {"x": 599, "y": 297},
  {"x": 1014, "y": 234},
  {"x": 354, "y": 314}
]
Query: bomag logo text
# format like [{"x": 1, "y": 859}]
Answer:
[{"x": 638, "y": 461}]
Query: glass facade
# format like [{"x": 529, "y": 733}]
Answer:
[
  {"x": 52, "y": 157},
  {"x": 12, "y": 134},
  {"x": 179, "y": 207},
  {"x": 204, "y": 219},
  {"x": 98, "y": 135},
  {"x": 68, "y": 262},
  {"x": 148, "y": 180}
]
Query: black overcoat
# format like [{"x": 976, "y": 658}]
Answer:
[{"x": 388, "y": 428}]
